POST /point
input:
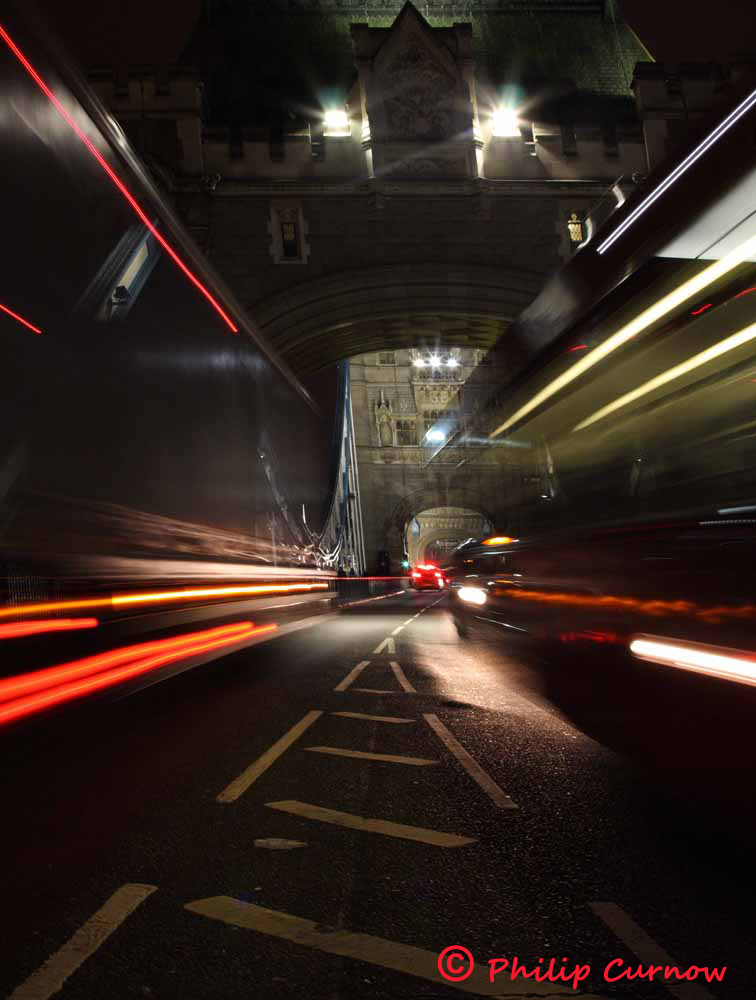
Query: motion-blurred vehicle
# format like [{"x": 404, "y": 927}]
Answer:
[{"x": 428, "y": 576}]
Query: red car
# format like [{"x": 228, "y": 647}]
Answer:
[{"x": 427, "y": 576}]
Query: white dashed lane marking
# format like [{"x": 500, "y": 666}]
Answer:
[
  {"x": 240, "y": 785},
  {"x": 397, "y": 630},
  {"x": 364, "y": 755},
  {"x": 365, "y": 825},
  {"x": 389, "y": 645},
  {"x": 402, "y": 678},
  {"x": 497, "y": 795},
  {"x": 374, "y": 690},
  {"x": 352, "y": 676},
  {"x": 392, "y": 955},
  {"x": 51, "y": 976},
  {"x": 373, "y": 718}
]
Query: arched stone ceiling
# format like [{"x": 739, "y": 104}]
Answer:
[{"x": 319, "y": 322}]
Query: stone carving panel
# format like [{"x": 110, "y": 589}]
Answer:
[{"x": 419, "y": 96}]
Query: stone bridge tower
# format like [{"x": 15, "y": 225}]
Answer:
[{"x": 377, "y": 181}]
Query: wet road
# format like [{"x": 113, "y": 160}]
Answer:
[{"x": 323, "y": 814}]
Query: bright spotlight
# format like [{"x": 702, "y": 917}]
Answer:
[
  {"x": 419, "y": 362},
  {"x": 505, "y": 123},
  {"x": 452, "y": 363},
  {"x": 436, "y": 437},
  {"x": 472, "y": 595},
  {"x": 435, "y": 360},
  {"x": 336, "y": 122}
]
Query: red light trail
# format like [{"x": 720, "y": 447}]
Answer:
[
  {"x": 116, "y": 180},
  {"x": 20, "y": 319},
  {"x": 698, "y": 312},
  {"x": 28, "y": 694}
]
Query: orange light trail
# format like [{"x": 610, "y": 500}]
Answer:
[
  {"x": 608, "y": 602},
  {"x": 155, "y": 596},
  {"x": 499, "y": 540},
  {"x": 16, "y": 630},
  {"x": 170, "y": 651},
  {"x": 20, "y": 319},
  {"x": 115, "y": 179}
]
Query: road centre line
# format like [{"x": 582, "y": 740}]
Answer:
[
  {"x": 374, "y": 690},
  {"x": 397, "y": 630},
  {"x": 400, "y": 830},
  {"x": 647, "y": 950},
  {"x": 373, "y": 718},
  {"x": 50, "y": 976},
  {"x": 378, "y": 951},
  {"x": 352, "y": 676},
  {"x": 389, "y": 643},
  {"x": 497, "y": 795},
  {"x": 364, "y": 755},
  {"x": 402, "y": 678},
  {"x": 409, "y": 621},
  {"x": 366, "y": 600},
  {"x": 240, "y": 785}
]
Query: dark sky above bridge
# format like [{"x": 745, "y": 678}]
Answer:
[{"x": 673, "y": 30}]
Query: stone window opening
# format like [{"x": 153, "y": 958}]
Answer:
[
  {"x": 290, "y": 240},
  {"x": 405, "y": 432},
  {"x": 387, "y": 358},
  {"x": 288, "y": 231}
]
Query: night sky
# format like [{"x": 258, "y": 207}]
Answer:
[{"x": 673, "y": 30}]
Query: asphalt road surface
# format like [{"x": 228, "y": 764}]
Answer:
[{"x": 321, "y": 815}]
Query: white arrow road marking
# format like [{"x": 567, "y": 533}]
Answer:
[{"x": 278, "y": 844}]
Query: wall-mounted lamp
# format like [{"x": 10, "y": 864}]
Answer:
[
  {"x": 336, "y": 121},
  {"x": 505, "y": 123},
  {"x": 575, "y": 228}
]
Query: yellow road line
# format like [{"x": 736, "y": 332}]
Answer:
[
  {"x": 50, "y": 977},
  {"x": 364, "y": 755},
  {"x": 497, "y": 795},
  {"x": 379, "y": 951},
  {"x": 373, "y": 718},
  {"x": 388, "y": 829},
  {"x": 240, "y": 785},
  {"x": 648, "y": 951},
  {"x": 352, "y": 676},
  {"x": 402, "y": 678}
]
